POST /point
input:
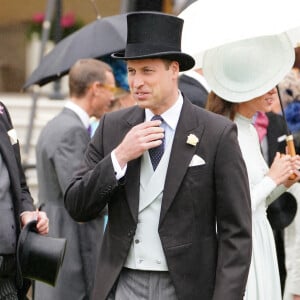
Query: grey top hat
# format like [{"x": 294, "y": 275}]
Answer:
[{"x": 155, "y": 35}]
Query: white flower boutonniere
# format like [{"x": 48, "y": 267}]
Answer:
[
  {"x": 1, "y": 109},
  {"x": 192, "y": 140},
  {"x": 13, "y": 136}
]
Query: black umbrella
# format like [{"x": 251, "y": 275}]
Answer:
[{"x": 97, "y": 39}]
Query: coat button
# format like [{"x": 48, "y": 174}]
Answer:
[
  {"x": 137, "y": 241},
  {"x": 130, "y": 233}
]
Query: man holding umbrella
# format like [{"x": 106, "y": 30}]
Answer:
[{"x": 172, "y": 175}]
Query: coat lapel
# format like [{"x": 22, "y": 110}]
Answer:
[
  {"x": 132, "y": 185},
  {"x": 7, "y": 152},
  {"x": 181, "y": 154}
]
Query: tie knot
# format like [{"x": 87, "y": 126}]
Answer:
[{"x": 157, "y": 117}]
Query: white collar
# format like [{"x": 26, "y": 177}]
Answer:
[
  {"x": 81, "y": 113},
  {"x": 171, "y": 116}
]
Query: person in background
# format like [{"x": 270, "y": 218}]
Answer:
[
  {"x": 243, "y": 76},
  {"x": 290, "y": 90},
  {"x": 16, "y": 209},
  {"x": 170, "y": 172},
  {"x": 60, "y": 149},
  {"x": 194, "y": 86},
  {"x": 271, "y": 129}
]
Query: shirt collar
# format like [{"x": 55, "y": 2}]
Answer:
[
  {"x": 81, "y": 113},
  {"x": 171, "y": 116}
]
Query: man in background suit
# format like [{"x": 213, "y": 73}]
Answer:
[
  {"x": 194, "y": 86},
  {"x": 170, "y": 172},
  {"x": 60, "y": 149},
  {"x": 16, "y": 209}
]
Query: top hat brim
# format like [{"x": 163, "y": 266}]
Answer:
[
  {"x": 282, "y": 211},
  {"x": 31, "y": 226},
  {"x": 186, "y": 62}
]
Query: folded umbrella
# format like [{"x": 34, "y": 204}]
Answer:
[{"x": 97, "y": 39}]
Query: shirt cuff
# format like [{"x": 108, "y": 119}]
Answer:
[{"x": 118, "y": 171}]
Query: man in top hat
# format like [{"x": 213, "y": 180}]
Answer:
[
  {"x": 16, "y": 209},
  {"x": 174, "y": 181}
]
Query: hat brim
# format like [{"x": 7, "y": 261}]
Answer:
[
  {"x": 244, "y": 70},
  {"x": 186, "y": 62},
  {"x": 31, "y": 226},
  {"x": 282, "y": 211}
]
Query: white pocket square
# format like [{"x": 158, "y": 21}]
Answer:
[
  {"x": 13, "y": 136},
  {"x": 196, "y": 161}
]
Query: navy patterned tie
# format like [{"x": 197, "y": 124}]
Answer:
[{"x": 157, "y": 152}]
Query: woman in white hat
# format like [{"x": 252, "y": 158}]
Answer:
[{"x": 243, "y": 76}]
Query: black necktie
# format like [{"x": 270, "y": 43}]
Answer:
[{"x": 157, "y": 152}]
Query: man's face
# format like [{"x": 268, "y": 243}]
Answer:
[{"x": 153, "y": 83}]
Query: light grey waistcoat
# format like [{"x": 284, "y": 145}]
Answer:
[{"x": 146, "y": 251}]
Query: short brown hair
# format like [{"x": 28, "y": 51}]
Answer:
[{"x": 84, "y": 72}]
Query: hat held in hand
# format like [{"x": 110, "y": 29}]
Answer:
[{"x": 39, "y": 257}]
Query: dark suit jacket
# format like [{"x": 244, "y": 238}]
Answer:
[
  {"x": 203, "y": 264},
  {"x": 193, "y": 90},
  {"x": 22, "y": 200}
]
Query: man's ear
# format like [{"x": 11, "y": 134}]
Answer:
[
  {"x": 174, "y": 67},
  {"x": 95, "y": 87}
]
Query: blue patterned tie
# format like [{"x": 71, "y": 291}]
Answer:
[{"x": 157, "y": 152}]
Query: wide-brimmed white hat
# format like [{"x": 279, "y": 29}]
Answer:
[{"x": 243, "y": 70}]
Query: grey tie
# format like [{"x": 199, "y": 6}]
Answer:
[{"x": 157, "y": 152}]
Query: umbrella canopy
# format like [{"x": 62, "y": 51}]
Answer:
[
  {"x": 97, "y": 39},
  {"x": 211, "y": 23}
]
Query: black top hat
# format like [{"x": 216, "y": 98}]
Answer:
[
  {"x": 39, "y": 257},
  {"x": 282, "y": 211},
  {"x": 155, "y": 35}
]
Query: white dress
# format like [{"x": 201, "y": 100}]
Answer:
[{"x": 263, "y": 280}]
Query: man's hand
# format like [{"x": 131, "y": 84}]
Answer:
[
  {"x": 139, "y": 139},
  {"x": 42, "y": 225}
]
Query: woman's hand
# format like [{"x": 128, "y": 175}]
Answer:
[{"x": 282, "y": 168}]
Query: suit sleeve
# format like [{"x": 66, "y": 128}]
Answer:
[
  {"x": 92, "y": 187},
  {"x": 233, "y": 209},
  {"x": 69, "y": 155}
]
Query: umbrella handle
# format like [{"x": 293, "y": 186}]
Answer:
[{"x": 291, "y": 150}]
